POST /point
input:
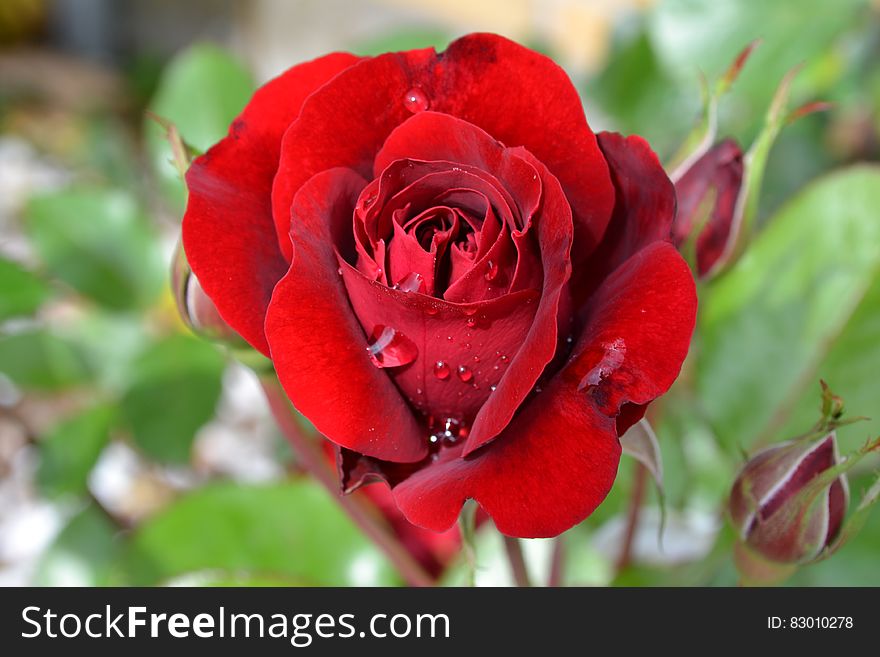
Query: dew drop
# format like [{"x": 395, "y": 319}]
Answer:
[
  {"x": 412, "y": 282},
  {"x": 449, "y": 432},
  {"x": 391, "y": 348},
  {"x": 504, "y": 358},
  {"x": 415, "y": 101},
  {"x": 471, "y": 322},
  {"x": 339, "y": 271},
  {"x": 464, "y": 373},
  {"x": 491, "y": 271},
  {"x": 449, "y": 337},
  {"x": 476, "y": 359},
  {"x": 615, "y": 353},
  {"x": 493, "y": 388},
  {"x": 431, "y": 311},
  {"x": 472, "y": 310},
  {"x": 441, "y": 370}
]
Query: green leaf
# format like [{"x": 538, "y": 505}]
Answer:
[
  {"x": 768, "y": 323},
  {"x": 21, "y": 292},
  {"x": 70, "y": 450},
  {"x": 99, "y": 242},
  {"x": 175, "y": 387},
  {"x": 290, "y": 530},
  {"x": 38, "y": 359},
  {"x": 83, "y": 554},
  {"x": 692, "y": 35},
  {"x": 201, "y": 92}
]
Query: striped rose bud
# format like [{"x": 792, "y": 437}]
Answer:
[{"x": 776, "y": 510}]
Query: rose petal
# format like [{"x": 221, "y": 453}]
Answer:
[
  {"x": 518, "y": 96},
  {"x": 482, "y": 337},
  {"x": 643, "y": 211},
  {"x": 556, "y": 463},
  {"x": 318, "y": 347},
  {"x": 431, "y": 136},
  {"x": 228, "y": 233},
  {"x": 554, "y": 239},
  {"x": 421, "y": 185},
  {"x": 539, "y": 478},
  {"x": 638, "y": 330}
]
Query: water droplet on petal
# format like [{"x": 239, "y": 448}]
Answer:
[
  {"x": 476, "y": 359},
  {"x": 472, "y": 310},
  {"x": 441, "y": 370},
  {"x": 492, "y": 388},
  {"x": 339, "y": 271},
  {"x": 391, "y": 348},
  {"x": 491, "y": 271},
  {"x": 412, "y": 282},
  {"x": 449, "y": 337},
  {"x": 504, "y": 358},
  {"x": 369, "y": 201},
  {"x": 415, "y": 101},
  {"x": 464, "y": 373},
  {"x": 471, "y": 322},
  {"x": 615, "y": 353},
  {"x": 449, "y": 432},
  {"x": 431, "y": 310}
]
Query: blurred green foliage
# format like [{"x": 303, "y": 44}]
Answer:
[{"x": 89, "y": 316}]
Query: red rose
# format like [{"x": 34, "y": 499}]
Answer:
[{"x": 459, "y": 286}]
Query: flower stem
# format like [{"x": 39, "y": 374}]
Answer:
[
  {"x": 312, "y": 460},
  {"x": 517, "y": 562},
  {"x": 640, "y": 477}
]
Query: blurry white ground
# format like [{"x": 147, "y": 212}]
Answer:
[{"x": 240, "y": 443}]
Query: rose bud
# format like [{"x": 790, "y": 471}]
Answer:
[
  {"x": 195, "y": 308},
  {"x": 708, "y": 192},
  {"x": 461, "y": 285},
  {"x": 776, "y": 510}
]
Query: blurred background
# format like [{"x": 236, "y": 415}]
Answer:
[{"x": 132, "y": 452}]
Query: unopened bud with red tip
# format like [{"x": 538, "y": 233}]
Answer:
[
  {"x": 707, "y": 193},
  {"x": 195, "y": 307},
  {"x": 782, "y": 506},
  {"x": 717, "y": 185}
]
